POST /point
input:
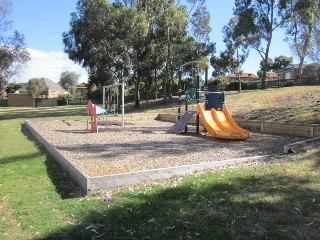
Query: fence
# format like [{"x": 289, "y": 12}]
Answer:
[
  {"x": 3, "y": 102},
  {"x": 234, "y": 86}
]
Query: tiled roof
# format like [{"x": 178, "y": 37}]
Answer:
[
  {"x": 51, "y": 85},
  {"x": 272, "y": 75},
  {"x": 244, "y": 75}
]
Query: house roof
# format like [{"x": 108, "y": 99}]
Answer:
[
  {"x": 81, "y": 86},
  {"x": 244, "y": 75},
  {"x": 272, "y": 75},
  {"x": 289, "y": 67},
  {"x": 51, "y": 85}
]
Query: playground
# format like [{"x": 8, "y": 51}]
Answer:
[
  {"x": 145, "y": 145},
  {"x": 256, "y": 200},
  {"x": 143, "y": 151}
]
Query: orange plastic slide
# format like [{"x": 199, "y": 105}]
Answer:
[{"x": 220, "y": 124}]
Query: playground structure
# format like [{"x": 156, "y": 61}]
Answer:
[
  {"x": 92, "y": 109},
  {"x": 95, "y": 110},
  {"x": 115, "y": 100},
  {"x": 216, "y": 117}
]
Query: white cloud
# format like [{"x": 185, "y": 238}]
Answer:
[{"x": 49, "y": 65}]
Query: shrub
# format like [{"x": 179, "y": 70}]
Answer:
[
  {"x": 95, "y": 94},
  {"x": 64, "y": 99}
]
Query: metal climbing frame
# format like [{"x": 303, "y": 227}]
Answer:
[
  {"x": 201, "y": 65},
  {"x": 122, "y": 97}
]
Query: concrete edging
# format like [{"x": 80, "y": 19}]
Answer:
[
  {"x": 290, "y": 147},
  {"x": 119, "y": 180},
  {"x": 91, "y": 184},
  {"x": 278, "y": 128}
]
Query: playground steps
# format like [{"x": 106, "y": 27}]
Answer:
[{"x": 180, "y": 125}]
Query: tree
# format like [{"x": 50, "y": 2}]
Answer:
[
  {"x": 256, "y": 21},
  {"x": 36, "y": 88},
  {"x": 69, "y": 80},
  {"x": 312, "y": 72},
  {"x": 107, "y": 39},
  {"x": 13, "y": 53},
  {"x": 138, "y": 41},
  {"x": 236, "y": 52},
  {"x": 225, "y": 63},
  {"x": 12, "y": 87},
  {"x": 281, "y": 62},
  {"x": 315, "y": 56},
  {"x": 221, "y": 79},
  {"x": 269, "y": 65},
  {"x": 302, "y": 27}
]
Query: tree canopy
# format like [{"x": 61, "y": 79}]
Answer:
[
  {"x": 37, "y": 87},
  {"x": 68, "y": 80},
  {"x": 255, "y": 23},
  {"x": 141, "y": 42},
  {"x": 13, "y": 53},
  {"x": 302, "y": 29}
]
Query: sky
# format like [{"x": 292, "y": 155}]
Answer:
[{"x": 42, "y": 22}]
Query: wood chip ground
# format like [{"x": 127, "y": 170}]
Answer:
[{"x": 145, "y": 145}]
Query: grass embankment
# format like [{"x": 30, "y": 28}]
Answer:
[
  {"x": 37, "y": 200},
  {"x": 290, "y": 104}
]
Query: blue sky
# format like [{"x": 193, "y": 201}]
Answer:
[{"x": 43, "y": 21}]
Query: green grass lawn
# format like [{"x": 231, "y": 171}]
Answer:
[{"x": 38, "y": 201}]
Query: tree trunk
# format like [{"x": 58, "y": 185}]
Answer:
[
  {"x": 154, "y": 86},
  {"x": 303, "y": 53},
  {"x": 300, "y": 70},
  {"x": 167, "y": 67},
  {"x": 137, "y": 91},
  {"x": 171, "y": 79},
  {"x": 36, "y": 100}
]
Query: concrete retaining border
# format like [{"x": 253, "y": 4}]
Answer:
[
  {"x": 132, "y": 178},
  {"x": 90, "y": 185},
  {"x": 290, "y": 147},
  {"x": 278, "y": 128}
]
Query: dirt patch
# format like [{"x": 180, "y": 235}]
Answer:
[{"x": 303, "y": 99}]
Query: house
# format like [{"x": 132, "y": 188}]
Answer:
[
  {"x": 81, "y": 91},
  {"x": 21, "y": 98},
  {"x": 245, "y": 77},
  {"x": 272, "y": 76},
  {"x": 289, "y": 72}
]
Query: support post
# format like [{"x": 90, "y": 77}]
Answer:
[
  {"x": 179, "y": 99},
  {"x": 103, "y": 101},
  {"x": 206, "y": 89},
  {"x": 122, "y": 103},
  {"x": 186, "y": 109},
  {"x": 198, "y": 101}
]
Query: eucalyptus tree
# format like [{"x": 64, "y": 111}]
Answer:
[
  {"x": 176, "y": 24},
  {"x": 13, "y": 52},
  {"x": 236, "y": 52},
  {"x": 256, "y": 23},
  {"x": 301, "y": 29},
  {"x": 98, "y": 37}
]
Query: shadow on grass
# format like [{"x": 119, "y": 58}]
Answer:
[
  {"x": 265, "y": 206},
  {"x": 59, "y": 178},
  {"x": 42, "y": 113},
  {"x": 64, "y": 186},
  {"x": 19, "y": 157}
]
